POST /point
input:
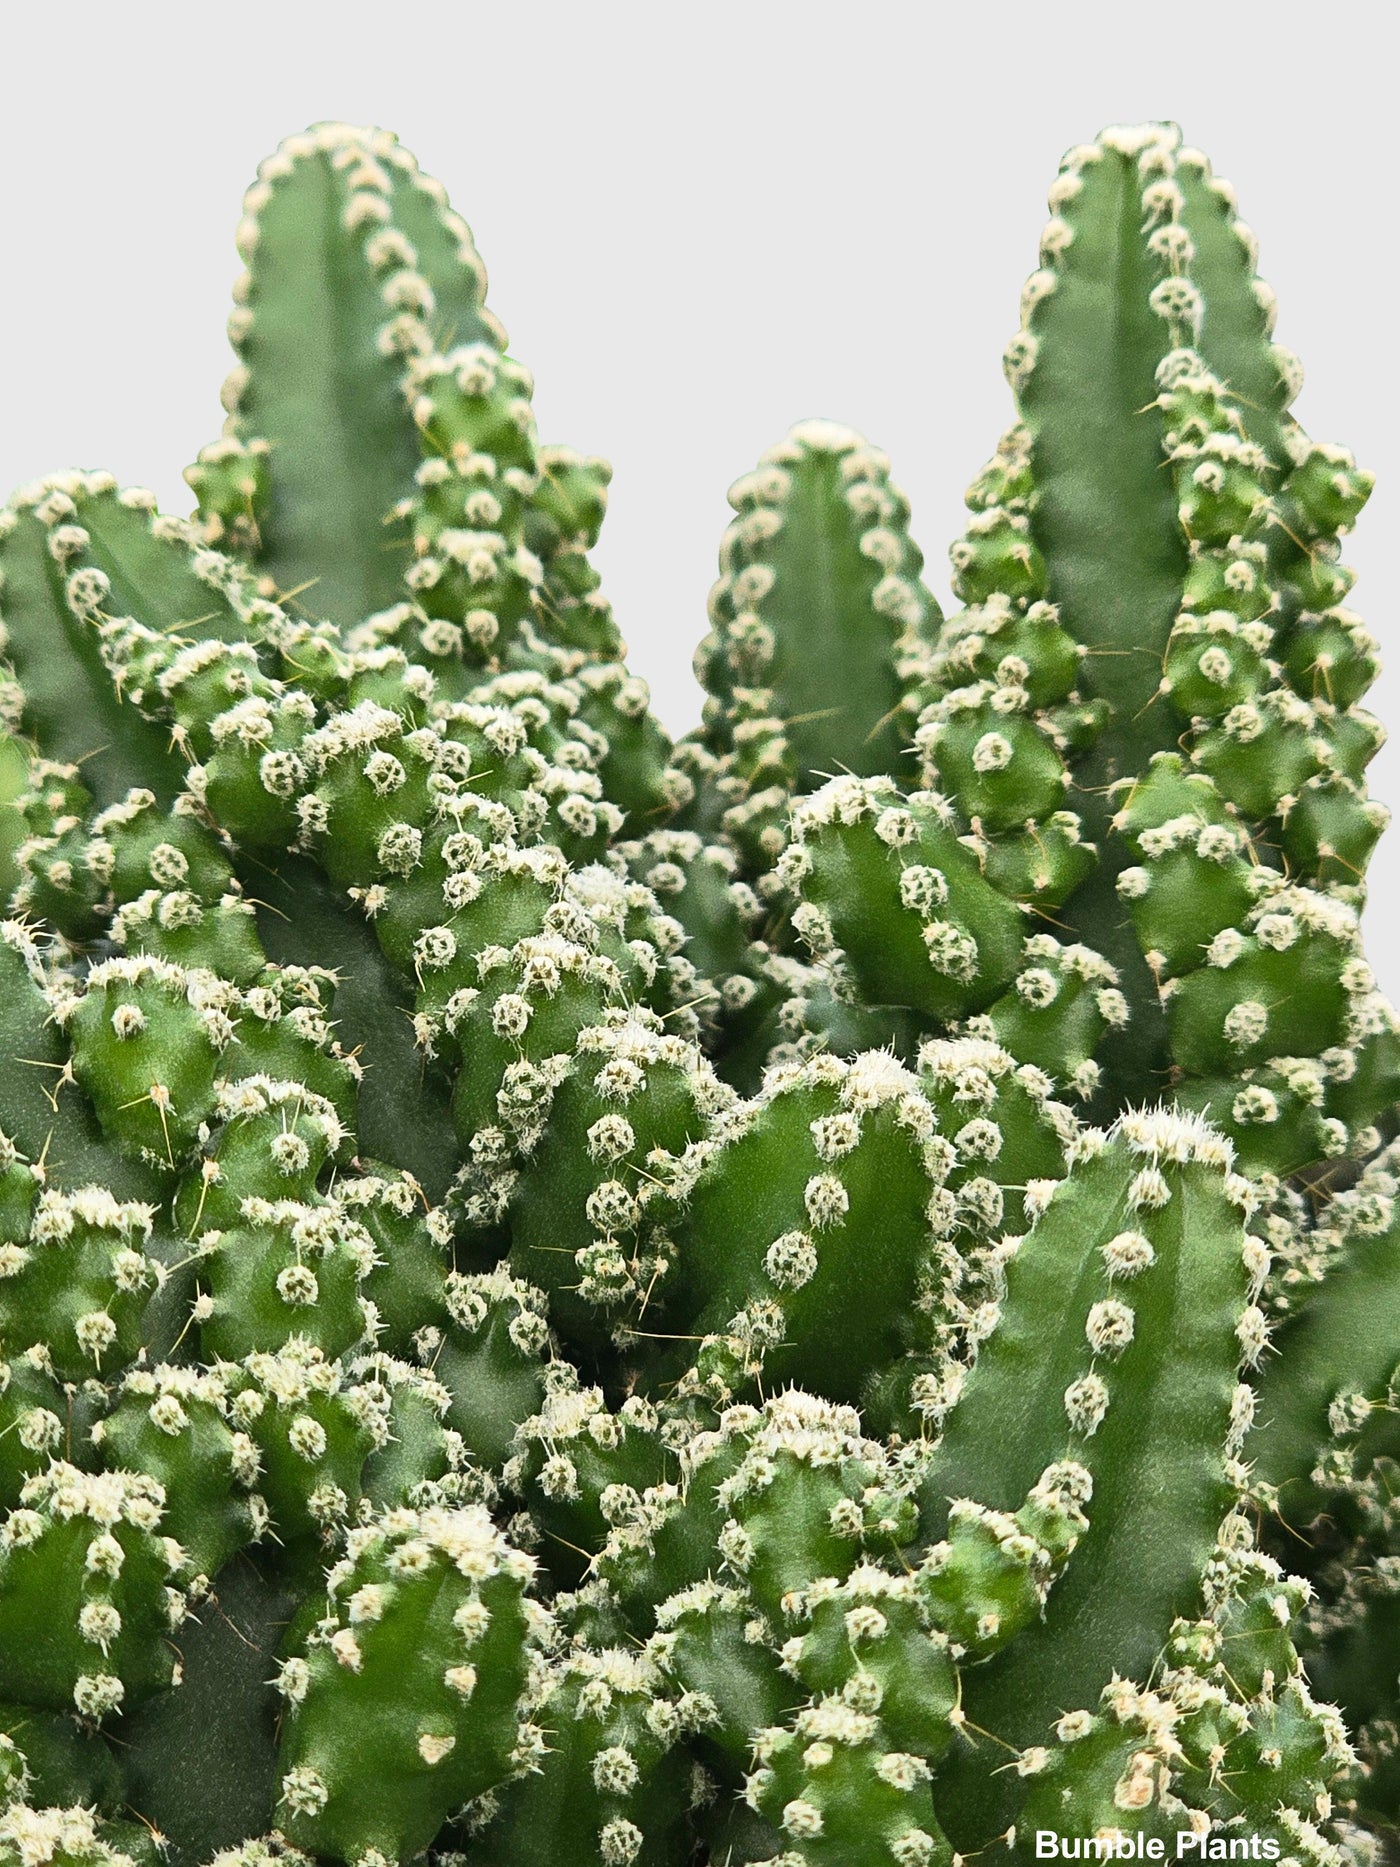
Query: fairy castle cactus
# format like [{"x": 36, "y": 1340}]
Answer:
[{"x": 825, "y": 1293}]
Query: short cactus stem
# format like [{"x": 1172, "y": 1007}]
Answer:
[{"x": 402, "y": 1589}]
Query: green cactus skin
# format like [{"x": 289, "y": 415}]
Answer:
[
  {"x": 304, "y": 925},
  {"x": 1145, "y": 1241},
  {"x": 1341, "y": 1338},
  {"x": 67, "y": 699},
  {"x": 612, "y": 1784},
  {"x": 1206, "y": 596},
  {"x": 42, "y": 1115},
  {"x": 432, "y": 1605},
  {"x": 15, "y": 766},
  {"x": 390, "y": 264},
  {"x": 202, "y": 1768},
  {"x": 840, "y": 1203},
  {"x": 564, "y": 1295},
  {"x": 46, "y": 1756},
  {"x": 818, "y": 606},
  {"x": 97, "y": 1639},
  {"x": 1325, "y": 1461},
  {"x": 884, "y": 878}
]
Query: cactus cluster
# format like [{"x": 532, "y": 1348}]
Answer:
[{"x": 825, "y": 1293}]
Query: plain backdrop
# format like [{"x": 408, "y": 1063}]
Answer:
[{"x": 703, "y": 223}]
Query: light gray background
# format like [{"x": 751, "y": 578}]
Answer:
[{"x": 703, "y": 223}]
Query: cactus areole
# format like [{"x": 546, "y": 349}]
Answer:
[{"x": 822, "y": 1293}]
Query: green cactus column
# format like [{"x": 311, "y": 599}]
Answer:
[
  {"x": 353, "y": 261},
  {"x": 818, "y": 609},
  {"x": 1126, "y": 1317}
]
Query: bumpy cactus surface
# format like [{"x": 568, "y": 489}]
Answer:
[{"x": 827, "y": 1293}]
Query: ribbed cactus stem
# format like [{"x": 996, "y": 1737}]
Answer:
[{"x": 391, "y": 265}]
